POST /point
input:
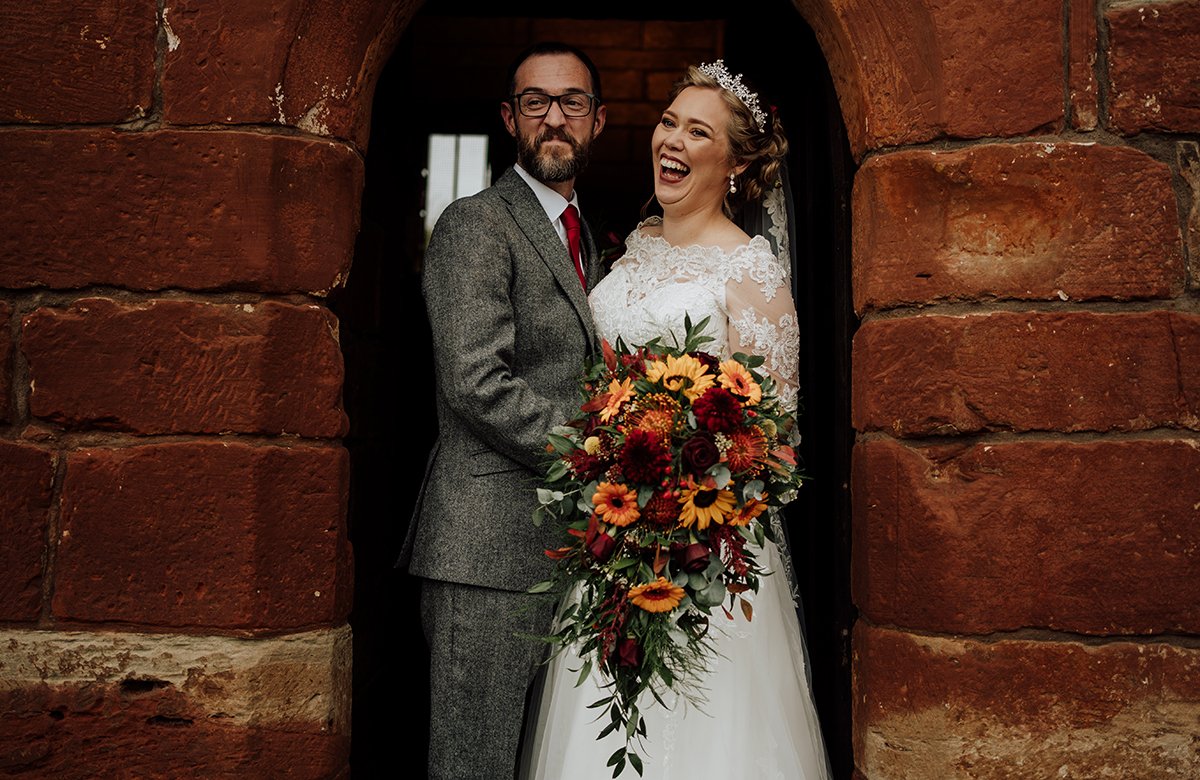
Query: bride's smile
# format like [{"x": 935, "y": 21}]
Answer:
[{"x": 691, "y": 152}]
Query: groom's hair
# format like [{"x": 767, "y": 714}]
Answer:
[{"x": 555, "y": 47}]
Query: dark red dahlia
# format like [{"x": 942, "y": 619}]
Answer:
[
  {"x": 661, "y": 510},
  {"x": 718, "y": 410},
  {"x": 584, "y": 466},
  {"x": 644, "y": 458}
]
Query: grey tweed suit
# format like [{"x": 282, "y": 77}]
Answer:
[{"x": 511, "y": 330}]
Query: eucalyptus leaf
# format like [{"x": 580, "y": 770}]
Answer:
[
  {"x": 539, "y": 516},
  {"x": 713, "y": 595},
  {"x": 753, "y": 489},
  {"x": 541, "y": 587},
  {"x": 548, "y": 496},
  {"x": 697, "y": 581},
  {"x": 645, "y": 493},
  {"x": 721, "y": 475}
]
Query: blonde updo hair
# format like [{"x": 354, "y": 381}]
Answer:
[{"x": 763, "y": 150}]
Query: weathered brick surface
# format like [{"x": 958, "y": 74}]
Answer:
[
  {"x": 6, "y": 363},
  {"x": 173, "y": 706},
  {"x": 931, "y": 707},
  {"x": 1187, "y": 158},
  {"x": 1153, "y": 59},
  {"x": 1090, "y": 537},
  {"x": 176, "y": 209},
  {"x": 311, "y": 64},
  {"x": 26, "y": 476},
  {"x": 1027, "y": 371},
  {"x": 909, "y": 72},
  {"x": 69, "y": 61},
  {"x": 219, "y": 535},
  {"x": 1026, "y": 221},
  {"x": 171, "y": 366},
  {"x": 1082, "y": 47}
]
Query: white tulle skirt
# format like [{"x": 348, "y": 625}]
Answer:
[{"x": 758, "y": 720}]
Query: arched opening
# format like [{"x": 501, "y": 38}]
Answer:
[{"x": 446, "y": 77}]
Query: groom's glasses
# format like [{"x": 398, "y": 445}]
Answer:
[{"x": 536, "y": 104}]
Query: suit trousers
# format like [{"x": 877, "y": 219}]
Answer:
[{"x": 483, "y": 661}]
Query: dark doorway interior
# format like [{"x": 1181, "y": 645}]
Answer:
[{"x": 446, "y": 77}]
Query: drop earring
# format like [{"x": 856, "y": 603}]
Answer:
[{"x": 732, "y": 186}]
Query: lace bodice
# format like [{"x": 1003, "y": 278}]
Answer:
[{"x": 745, "y": 293}]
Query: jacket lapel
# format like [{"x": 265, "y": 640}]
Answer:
[{"x": 531, "y": 218}]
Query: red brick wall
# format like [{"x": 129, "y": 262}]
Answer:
[
  {"x": 1026, "y": 482},
  {"x": 181, "y": 191}
]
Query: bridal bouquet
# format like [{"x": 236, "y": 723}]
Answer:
[{"x": 661, "y": 486}]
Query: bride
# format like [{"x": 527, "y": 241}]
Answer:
[{"x": 714, "y": 149}]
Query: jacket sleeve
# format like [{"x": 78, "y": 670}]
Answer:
[{"x": 467, "y": 280}]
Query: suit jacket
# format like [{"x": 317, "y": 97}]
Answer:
[{"x": 511, "y": 331}]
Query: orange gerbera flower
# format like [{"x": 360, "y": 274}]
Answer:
[
  {"x": 736, "y": 379},
  {"x": 616, "y": 504},
  {"x": 684, "y": 373},
  {"x": 703, "y": 505},
  {"x": 748, "y": 511},
  {"x": 658, "y": 596},
  {"x": 618, "y": 393}
]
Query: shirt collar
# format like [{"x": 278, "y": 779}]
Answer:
[{"x": 551, "y": 201}]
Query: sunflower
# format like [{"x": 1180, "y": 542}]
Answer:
[
  {"x": 748, "y": 511},
  {"x": 684, "y": 373},
  {"x": 616, "y": 504},
  {"x": 657, "y": 596},
  {"x": 618, "y": 393},
  {"x": 703, "y": 505},
  {"x": 658, "y": 413},
  {"x": 737, "y": 379},
  {"x": 745, "y": 450}
]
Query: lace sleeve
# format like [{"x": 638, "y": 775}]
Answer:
[{"x": 762, "y": 321}]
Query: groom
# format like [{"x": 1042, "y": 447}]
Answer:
[{"x": 505, "y": 283}]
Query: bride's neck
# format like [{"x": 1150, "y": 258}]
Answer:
[{"x": 682, "y": 227}]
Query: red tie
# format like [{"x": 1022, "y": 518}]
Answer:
[{"x": 570, "y": 220}]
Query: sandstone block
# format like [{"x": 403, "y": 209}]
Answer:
[
  {"x": 170, "y": 706},
  {"x": 1082, "y": 50},
  {"x": 173, "y": 209},
  {"x": 6, "y": 364},
  {"x": 1024, "y": 221},
  {"x": 1090, "y": 537},
  {"x": 68, "y": 62},
  {"x": 1153, "y": 59},
  {"x": 185, "y": 367},
  {"x": 310, "y": 65},
  {"x": 26, "y": 478},
  {"x": 910, "y": 72},
  {"x": 221, "y": 535},
  {"x": 1027, "y": 371},
  {"x": 990, "y": 710}
]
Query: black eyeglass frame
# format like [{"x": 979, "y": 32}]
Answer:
[{"x": 551, "y": 100}]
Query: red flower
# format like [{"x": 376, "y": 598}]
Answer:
[
  {"x": 718, "y": 410},
  {"x": 661, "y": 510},
  {"x": 599, "y": 543},
  {"x": 629, "y": 653},
  {"x": 699, "y": 453},
  {"x": 584, "y": 466},
  {"x": 713, "y": 364},
  {"x": 644, "y": 459},
  {"x": 691, "y": 558}
]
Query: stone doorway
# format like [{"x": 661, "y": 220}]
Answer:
[{"x": 445, "y": 77}]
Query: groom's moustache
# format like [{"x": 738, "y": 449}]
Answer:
[{"x": 556, "y": 134}]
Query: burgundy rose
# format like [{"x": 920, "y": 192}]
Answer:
[
  {"x": 699, "y": 453},
  {"x": 718, "y": 410},
  {"x": 709, "y": 361},
  {"x": 629, "y": 653},
  {"x": 598, "y": 543},
  {"x": 692, "y": 558}
]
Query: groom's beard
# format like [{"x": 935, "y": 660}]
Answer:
[{"x": 552, "y": 164}]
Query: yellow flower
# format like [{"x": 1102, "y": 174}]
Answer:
[
  {"x": 618, "y": 393},
  {"x": 657, "y": 596},
  {"x": 748, "y": 511},
  {"x": 703, "y": 505},
  {"x": 591, "y": 445},
  {"x": 684, "y": 373},
  {"x": 616, "y": 504},
  {"x": 736, "y": 379}
]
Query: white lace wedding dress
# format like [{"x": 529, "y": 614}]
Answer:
[{"x": 758, "y": 720}]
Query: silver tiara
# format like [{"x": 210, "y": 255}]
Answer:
[{"x": 718, "y": 72}]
